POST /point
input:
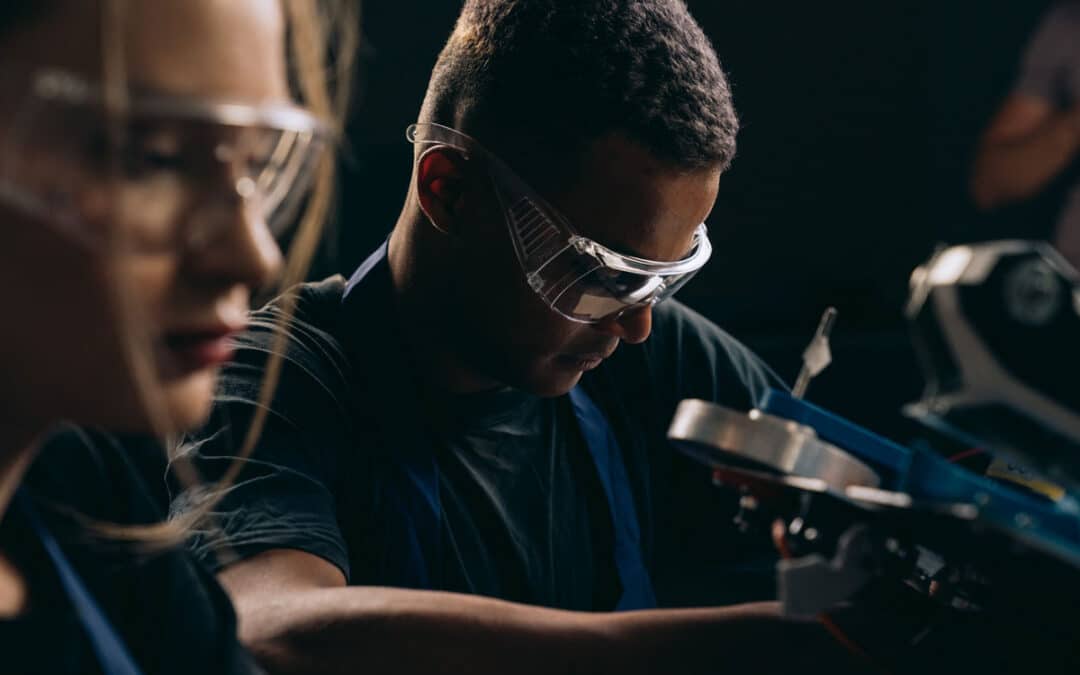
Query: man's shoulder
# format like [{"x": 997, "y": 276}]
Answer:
[
  {"x": 674, "y": 320},
  {"x": 301, "y": 327},
  {"x": 313, "y": 305},
  {"x": 689, "y": 356}
]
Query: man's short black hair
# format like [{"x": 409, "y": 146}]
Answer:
[{"x": 557, "y": 74}]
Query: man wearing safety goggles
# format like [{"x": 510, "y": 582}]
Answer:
[
  {"x": 580, "y": 279},
  {"x": 460, "y": 417}
]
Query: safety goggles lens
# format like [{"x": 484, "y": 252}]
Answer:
[
  {"x": 565, "y": 271},
  {"x": 171, "y": 175}
]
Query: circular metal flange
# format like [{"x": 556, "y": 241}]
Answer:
[{"x": 721, "y": 437}]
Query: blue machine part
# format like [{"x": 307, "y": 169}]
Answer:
[
  {"x": 888, "y": 458},
  {"x": 930, "y": 478}
]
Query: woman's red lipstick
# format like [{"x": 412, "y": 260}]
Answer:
[{"x": 193, "y": 351}]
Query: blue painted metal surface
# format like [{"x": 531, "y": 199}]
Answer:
[{"x": 930, "y": 478}]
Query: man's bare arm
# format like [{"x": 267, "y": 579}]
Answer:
[
  {"x": 1028, "y": 144},
  {"x": 298, "y": 616}
]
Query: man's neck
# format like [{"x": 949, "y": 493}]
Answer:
[{"x": 419, "y": 304}]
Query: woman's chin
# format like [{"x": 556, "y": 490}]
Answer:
[
  {"x": 178, "y": 406},
  {"x": 188, "y": 401}
]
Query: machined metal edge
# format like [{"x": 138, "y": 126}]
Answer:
[{"x": 720, "y": 437}]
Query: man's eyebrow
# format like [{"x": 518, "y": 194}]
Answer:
[
  {"x": 626, "y": 250},
  {"x": 630, "y": 251}
]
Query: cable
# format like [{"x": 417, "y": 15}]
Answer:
[
  {"x": 961, "y": 456},
  {"x": 826, "y": 621}
]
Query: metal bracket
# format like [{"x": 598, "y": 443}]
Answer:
[{"x": 812, "y": 584}]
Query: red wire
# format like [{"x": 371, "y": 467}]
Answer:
[
  {"x": 961, "y": 456},
  {"x": 824, "y": 619},
  {"x": 843, "y": 638}
]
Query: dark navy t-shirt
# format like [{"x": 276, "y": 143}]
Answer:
[
  {"x": 169, "y": 611},
  {"x": 524, "y": 517}
]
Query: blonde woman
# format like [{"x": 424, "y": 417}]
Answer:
[{"x": 148, "y": 150}]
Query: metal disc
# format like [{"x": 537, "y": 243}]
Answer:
[{"x": 721, "y": 437}]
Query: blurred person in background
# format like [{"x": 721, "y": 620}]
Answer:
[
  {"x": 147, "y": 151},
  {"x": 1034, "y": 140}
]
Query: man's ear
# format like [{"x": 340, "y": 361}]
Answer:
[{"x": 440, "y": 186}]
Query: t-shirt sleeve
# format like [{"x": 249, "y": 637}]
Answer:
[
  {"x": 1045, "y": 65},
  {"x": 284, "y": 494}
]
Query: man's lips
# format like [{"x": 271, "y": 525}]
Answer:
[{"x": 583, "y": 362}]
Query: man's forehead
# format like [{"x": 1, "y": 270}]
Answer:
[{"x": 633, "y": 203}]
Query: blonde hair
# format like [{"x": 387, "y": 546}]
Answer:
[{"x": 322, "y": 36}]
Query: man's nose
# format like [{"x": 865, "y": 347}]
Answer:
[{"x": 632, "y": 326}]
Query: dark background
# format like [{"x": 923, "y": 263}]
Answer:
[{"x": 859, "y": 123}]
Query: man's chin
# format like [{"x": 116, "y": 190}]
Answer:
[
  {"x": 554, "y": 382},
  {"x": 549, "y": 377}
]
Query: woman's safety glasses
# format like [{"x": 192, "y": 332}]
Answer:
[
  {"x": 579, "y": 278},
  {"x": 160, "y": 171}
]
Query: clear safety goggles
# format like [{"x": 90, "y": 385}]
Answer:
[
  {"x": 579, "y": 278},
  {"x": 179, "y": 171}
]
